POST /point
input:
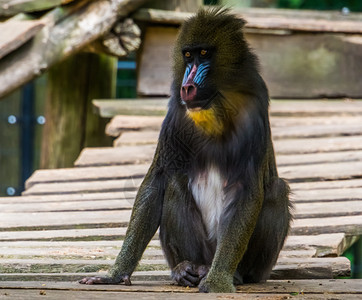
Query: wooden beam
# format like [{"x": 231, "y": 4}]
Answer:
[
  {"x": 274, "y": 20},
  {"x": 108, "y": 108},
  {"x": 299, "y": 65},
  {"x": 13, "y": 7},
  {"x": 272, "y": 289},
  {"x": 86, "y": 21},
  {"x": 16, "y": 33}
]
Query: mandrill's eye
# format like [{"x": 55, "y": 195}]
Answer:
[
  {"x": 187, "y": 54},
  {"x": 203, "y": 52}
]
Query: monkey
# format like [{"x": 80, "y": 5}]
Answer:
[{"x": 213, "y": 188}]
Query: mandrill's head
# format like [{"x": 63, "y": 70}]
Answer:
[{"x": 211, "y": 62}]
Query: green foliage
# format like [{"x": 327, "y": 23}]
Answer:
[{"x": 353, "y": 5}]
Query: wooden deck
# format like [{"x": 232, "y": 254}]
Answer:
[{"x": 70, "y": 223}]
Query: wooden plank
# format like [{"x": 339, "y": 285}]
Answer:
[
  {"x": 316, "y": 61},
  {"x": 303, "y": 24},
  {"x": 127, "y": 188},
  {"x": 324, "y": 193},
  {"x": 318, "y": 158},
  {"x": 316, "y": 131},
  {"x": 298, "y": 196},
  {"x": 302, "y": 210},
  {"x": 115, "y": 156},
  {"x": 301, "y": 146},
  {"x": 308, "y": 163},
  {"x": 87, "y": 174},
  {"x": 303, "y": 108},
  {"x": 326, "y": 185},
  {"x": 339, "y": 194},
  {"x": 13, "y": 7},
  {"x": 161, "y": 276},
  {"x": 282, "y": 128},
  {"x": 125, "y": 185},
  {"x": 72, "y": 245},
  {"x": 311, "y": 268},
  {"x": 320, "y": 149},
  {"x": 125, "y": 123},
  {"x": 165, "y": 290},
  {"x": 136, "y": 138},
  {"x": 351, "y": 225},
  {"x": 96, "y": 295},
  {"x": 68, "y": 197},
  {"x": 285, "y": 267},
  {"x": 307, "y": 118},
  {"x": 158, "y": 42},
  {"x": 142, "y": 107},
  {"x": 320, "y": 172},
  {"x": 322, "y": 245},
  {"x": 272, "y": 20},
  {"x": 323, "y": 209},
  {"x": 151, "y": 137},
  {"x": 92, "y": 205},
  {"x": 16, "y": 33},
  {"x": 325, "y": 109},
  {"x": 333, "y": 244},
  {"x": 150, "y": 256},
  {"x": 52, "y": 220},
  {"x": 68, "y": 235},
  {"x": 287, "y": 76}
]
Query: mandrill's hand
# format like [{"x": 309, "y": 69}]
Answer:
[
  {"x": 217, "y": 283},
  {"x": 106, "y": 280}
]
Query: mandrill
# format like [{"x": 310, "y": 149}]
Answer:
[{"x": 213, "y": 186}]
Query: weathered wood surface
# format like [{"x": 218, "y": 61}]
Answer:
[
  {"x": 280, "y": 20},
  {"x": 71, "y": 222},
  {"x": 86, "y": 21},
  {"x": 12, "y": 7},
  {"x": 328, "y": 111},
  {"x": 16, "y": 33},
  {"x": 96, "y": 75},
  {"x": 274, "y": 289},
  {"x": 127, "y": 154},
  {"x": 127, "y": 123},
  {"x": 295, "y": 65}
]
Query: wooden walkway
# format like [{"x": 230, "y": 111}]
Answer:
[{"x": 70, "y": 223}]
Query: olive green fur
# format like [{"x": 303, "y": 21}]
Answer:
[{"x": 253, "y": 227}]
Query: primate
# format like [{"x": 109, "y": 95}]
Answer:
[{"x": 213, "y": 186}]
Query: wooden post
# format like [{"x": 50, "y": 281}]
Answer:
[{"x": 71, "y": 124}]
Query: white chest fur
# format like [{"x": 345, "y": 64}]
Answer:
[{"x": 208, "y": 191}]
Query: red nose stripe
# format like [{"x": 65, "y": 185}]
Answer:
[
  {"x": 192, "y": 75},
  {"x": 189, "y": 90}
]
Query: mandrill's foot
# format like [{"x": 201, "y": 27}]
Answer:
[
  {"x": 217, "y": 283},
  {"x": 187, "y": 273},
  {"x": 105, "y": 280}
]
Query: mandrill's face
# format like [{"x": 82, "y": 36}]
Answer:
[
  {"x": 197, "y": 90},
  {"x": 211, "y": 66}
]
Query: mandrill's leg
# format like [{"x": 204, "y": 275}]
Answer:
[
  {"x": 183, "y": 235},
  {"x": 268, "y": 237},
  {"x": 145, "y": 219}
]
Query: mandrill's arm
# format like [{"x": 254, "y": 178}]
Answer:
[
  {"x": 145, "y": 219},
  {"x": 234, "y": 234}
]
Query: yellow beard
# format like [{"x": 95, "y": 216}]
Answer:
[{"x": 208, "y": 121}]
